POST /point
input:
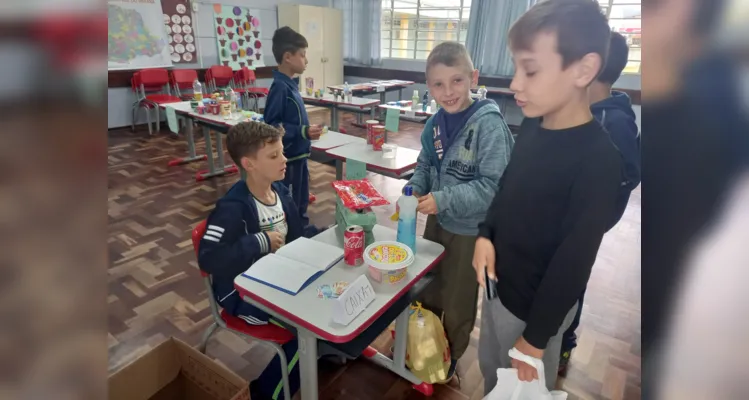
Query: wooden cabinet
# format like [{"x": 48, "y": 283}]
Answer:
[{"x": 322, "y": 27}]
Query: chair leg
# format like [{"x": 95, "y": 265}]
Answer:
[
  {"x": 132, "y": 115},
  {"x": 158, "y": 121},
  {"x": 284, "y": 369},
  {"x": 148, "y": 120},
  {"x": 206, "y": 336}
]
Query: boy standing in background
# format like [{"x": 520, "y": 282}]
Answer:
[
  {"x": 465, "y": 148},
  {"x": 284, "y": 106},
  {"x": 613, "y": 109},
  {"x": 558, "y": 194}
]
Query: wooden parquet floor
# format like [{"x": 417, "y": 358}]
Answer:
[{"x": 155, "y": 290}]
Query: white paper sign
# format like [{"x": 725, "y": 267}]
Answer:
[
  {"x": 410, "y": 114},
  {"x": 380, "y": 88},
  {"x": 353, "y": 301}
]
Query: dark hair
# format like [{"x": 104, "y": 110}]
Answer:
[
  {"x": 450, "y": 54},
  {"x": 246, "y": 138},
  {"x": 617, "y": 59},
  {"x": 580, "y": 26},
  {"x": 287, "y": 40}
]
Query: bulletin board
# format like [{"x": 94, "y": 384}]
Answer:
[
  {"x": 179, "y": 24},
  {"x": 238, "y": 36}
]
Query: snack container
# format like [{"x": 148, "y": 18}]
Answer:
[
  {"x": 388, "y": 261},
  {"x": 371, "y": 123},
  {"x": 378, "y": 137}
]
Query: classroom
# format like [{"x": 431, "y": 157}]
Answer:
[{"x": 317, "y": 198}]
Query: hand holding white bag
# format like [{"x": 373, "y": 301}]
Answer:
[{"x": 509, "y": 387}]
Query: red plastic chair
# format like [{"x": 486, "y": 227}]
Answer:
[
  {"x": 182, "y": 80},
  {"x": 219, "y": 76},
  {"x": 150, "y": 85},
  {"x": 244, "y": 79},
  {"x": 269, "y": 335}
]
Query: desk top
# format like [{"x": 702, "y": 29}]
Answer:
[
  {"x": 307, "y": 311},
  {"x": 184, "y": 108},
  {"x": 372, "y": 86},
  {"x": 334, "y": 139},
  {"x": 329, "y": 99},
  {"x": 404, "y": 161},
  {"x": 407, "y": 110}
]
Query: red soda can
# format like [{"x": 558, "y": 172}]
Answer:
[
  {"x": 371, "y": 123},
  {"x": 353, "y": 245},
  {"x": 378, "y": 137}
]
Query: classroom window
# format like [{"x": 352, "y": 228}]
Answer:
[
  {"x": 625, "y": 17},
  {"x": 412, "y": 28}
]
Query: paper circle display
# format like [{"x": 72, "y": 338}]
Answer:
[
  {"x": 176, "y": 29},
  {"x": 166, "y": 19},
  {"x": 189, "y": 38},
  {"x": 220, "y": 30},
  {"x": 257, "y": 44},
  {"x": 217, "y": 8},
  {"x": 176, "y": 19},
  {"x": 179, "y": 48},
  {"x": 255, "y": 21},
  {"x": 237, "y": 11},
  {"x": 190, "y": 47},
  {"x": 240, "y": 31},
  {"x": 242, "y": 53},
  {"x": 187, "y": 57},
  {"x": 186, "y": 20},
  {"x": 175, "y": 57},
  {"x": 168, "y": 29},
  {"x": 186, "y": 29},
  {"x": 181, "y": 8},
  {"x": 246, "y": 26},
  {"x": 229, "y": 22},
  {"x": 177, "y": 38},
  {"x": 250, "y": 51}
]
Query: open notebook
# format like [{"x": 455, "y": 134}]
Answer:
[{"x": 295, "y": 265}]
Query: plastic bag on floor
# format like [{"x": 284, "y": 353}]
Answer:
[
  {"x": 427, "y": 351},
  {"x": 509, "y": 387}
]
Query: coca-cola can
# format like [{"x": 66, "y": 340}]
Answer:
[
  {"x": 353, "y": 246},
  {"x": 371, "y": 123}
]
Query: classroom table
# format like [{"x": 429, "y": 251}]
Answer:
[
  {"x": 334, "y": 139},
  {"x": 398, "y": 167},
  {"x": 312, "y": 316},
  {"x": 381, "y": 87},
  {"x": 500, "y": 94},
  {"x": 408, "y": 112},
  {"x": 183, "y": 110},
  {"x": 329, "y": 101}
]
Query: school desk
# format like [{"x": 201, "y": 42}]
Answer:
[{"x": 398, "y": 167}]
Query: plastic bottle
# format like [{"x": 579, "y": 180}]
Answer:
[
  {"x": 347, "y": 92},
  {"x": 197, "y": 90},
  {"x": 415, "y": 100},
  {"x": 425, "y": 101},
  {"x": 406, "y": 209},
  {"x": 233, "y": 100},
  {"x": 433, "y": 106},
  {"x": 482, "y": 92}
]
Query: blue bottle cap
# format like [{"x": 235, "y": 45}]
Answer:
[{"x": 408, "y": 190}]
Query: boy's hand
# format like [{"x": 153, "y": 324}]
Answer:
[
  {"x": 276, "y": 240},
  {"x": 526, "y": 372},
  {"x": 314, "y": 132},
  {"x": 483, "y": 257},
  {"x": 427, "y": 205}
]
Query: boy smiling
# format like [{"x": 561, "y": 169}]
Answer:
[{"x": 557, "y": 196}]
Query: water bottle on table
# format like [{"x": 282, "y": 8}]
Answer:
[{"x": 406, "y": 210}]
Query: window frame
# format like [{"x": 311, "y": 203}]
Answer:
[
  {"x": 608, "y": 5},
  {"x": 460, "y": 8}
]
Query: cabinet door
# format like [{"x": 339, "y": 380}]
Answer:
[
  {"x": 333, "y": 52},
  {"x": 311, "y": 27}
]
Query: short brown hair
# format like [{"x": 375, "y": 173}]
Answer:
[
  {"x": 580, "y": 26},
  {"x": 287, "y": 40},
  {"x": 451, "y": 54},
  {"x": 246, "y": 138}
]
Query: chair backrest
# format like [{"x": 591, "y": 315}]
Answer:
[
  {"x": 154, "y": 77},
  {"x": 197, "y": 234},
  {"x": 183, "y": 78},
  {"x": 221, "y": 75}
]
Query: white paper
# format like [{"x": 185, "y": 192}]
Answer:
[
  {"x": 317, "y": 255},
  {"x": 312, "y": 28},
  {"x": 358, "y": 295},
  {"x": 281, "y": 272},
  {"x": 410, "y": 114},
  {"x": 380, "y": 88}
]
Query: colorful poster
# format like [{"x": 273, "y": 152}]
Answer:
[
  {"x": 238, "y": 36},
  {"x": 136, "y": 36},
  {"x": 178, "y": 22}
]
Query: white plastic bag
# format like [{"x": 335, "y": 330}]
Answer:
[{"x": 509, "y": 387}]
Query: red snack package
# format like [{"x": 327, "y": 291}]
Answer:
[{"x": 359, "y": 194}]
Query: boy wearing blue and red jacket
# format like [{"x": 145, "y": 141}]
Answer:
[
  {"x": 255, "y": 217},
  {"x": 285, "y": 107},
  {"x": 613, "y": 109}
]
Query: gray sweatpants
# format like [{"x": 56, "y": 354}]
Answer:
[{"x": 500, "y": 329}]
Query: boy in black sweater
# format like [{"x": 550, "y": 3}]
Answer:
[{"x": 557, "y": 195}]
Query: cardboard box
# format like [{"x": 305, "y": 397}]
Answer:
[{"x": 174, "y": 370}]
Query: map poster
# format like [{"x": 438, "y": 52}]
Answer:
[
  {"x": 178, "y": 22},
  {"x": 238, "y": 37},
  {"x": 136, "y": 37}
]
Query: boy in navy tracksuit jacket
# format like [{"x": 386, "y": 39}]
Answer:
[
  {"x": 285, "y": 107},
  {"x": 254, "y": 218},
  {"x": 613, "y": 110}
]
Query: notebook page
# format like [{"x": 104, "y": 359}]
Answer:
[
  {"x": 318, "y": 255},
  {"x": 283, "y": 273}
]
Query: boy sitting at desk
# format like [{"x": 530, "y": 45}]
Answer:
[{"x": 255, "y": 217}]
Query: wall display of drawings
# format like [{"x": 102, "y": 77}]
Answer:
[
  {"x": 178, "y": 22},
  {"x": 238, "y": 36}
]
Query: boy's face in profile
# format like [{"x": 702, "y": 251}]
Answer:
[
  {"x": 451, "y": 86},
  {"x": 268, "y": 163},
  {"x": 297, "y": 60},
  {"x": 540, "y": 85}
]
